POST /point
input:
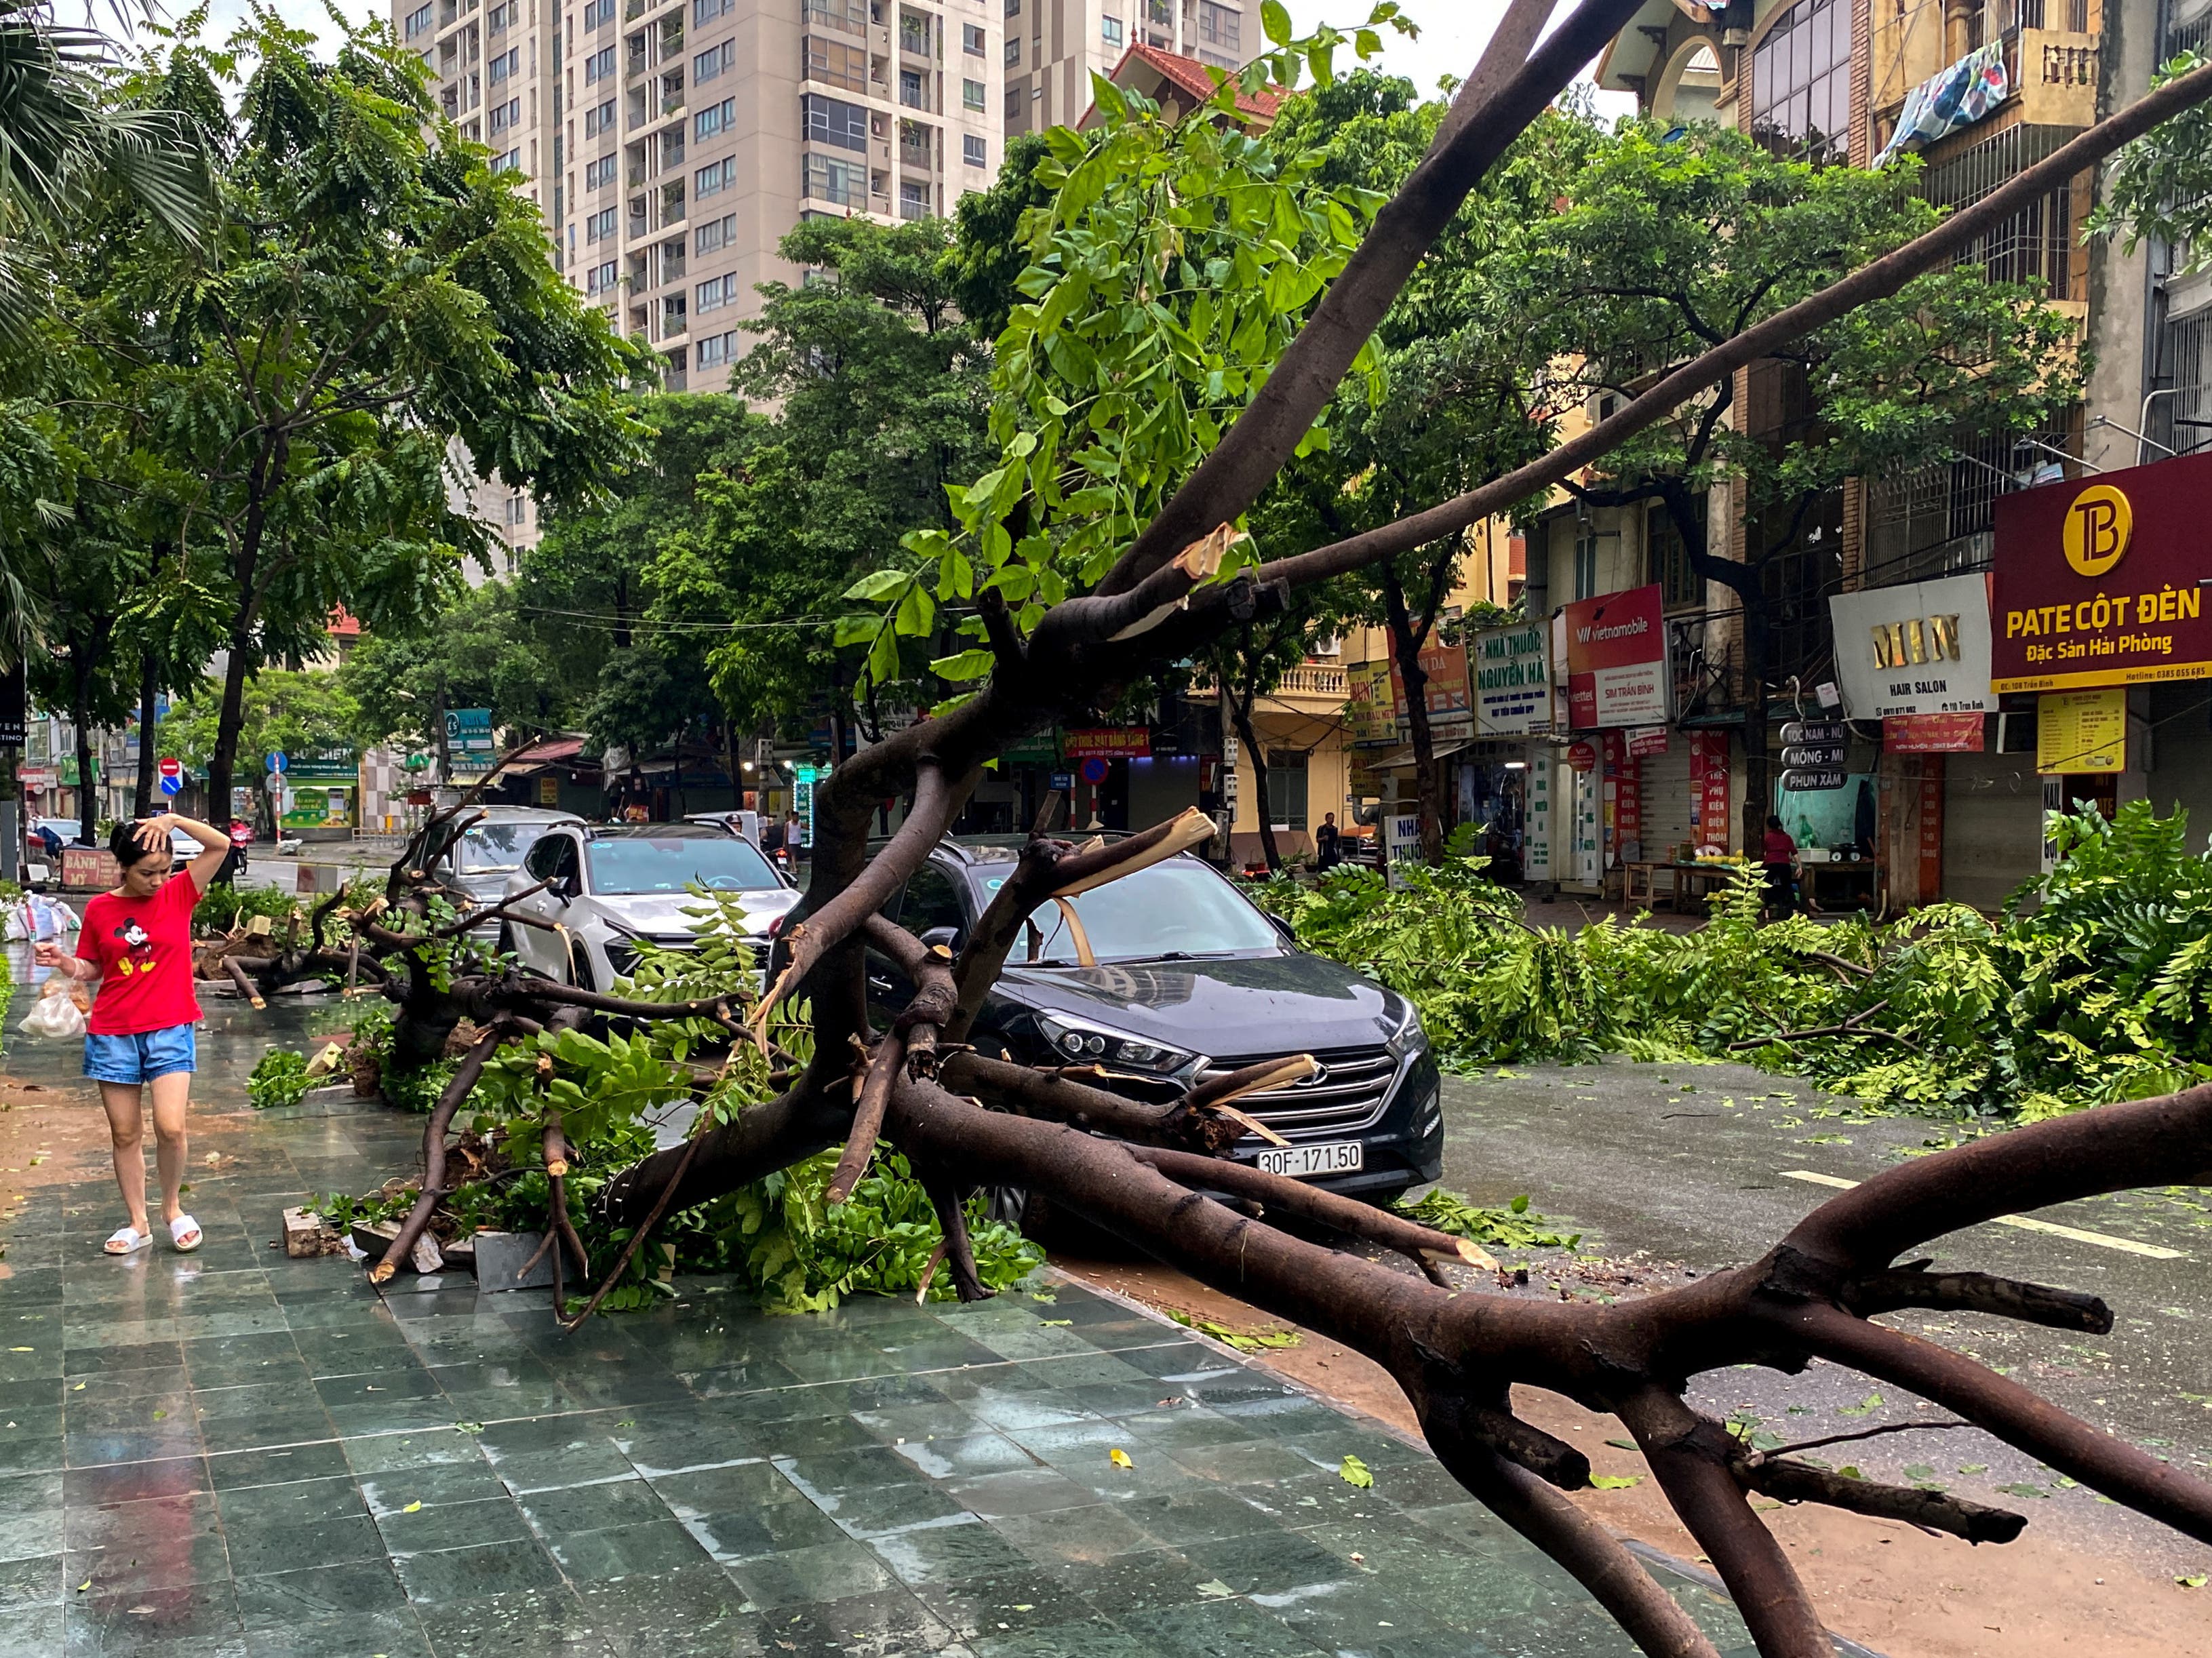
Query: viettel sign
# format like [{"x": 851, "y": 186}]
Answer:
[{"x": 2096, "y": 581}]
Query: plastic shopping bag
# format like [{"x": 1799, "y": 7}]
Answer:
[{"x": 56, "y": 1012}]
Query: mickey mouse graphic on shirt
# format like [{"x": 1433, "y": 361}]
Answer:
[{"x": 140, "y": 945}]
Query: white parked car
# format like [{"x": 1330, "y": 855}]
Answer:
[{"x": 609, "y": 885}]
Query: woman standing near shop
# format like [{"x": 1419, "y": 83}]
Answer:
[{"x": 137, "y": 942}]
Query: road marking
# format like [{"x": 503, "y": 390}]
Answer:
[{"x": 2025, "y": 1223}]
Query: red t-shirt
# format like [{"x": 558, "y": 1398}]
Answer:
[
  {"x": 143, "y": 949},
  {"x": 1780, "y": 849}
]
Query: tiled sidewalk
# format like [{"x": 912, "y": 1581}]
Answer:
[{"x": 236, "y": 1454}]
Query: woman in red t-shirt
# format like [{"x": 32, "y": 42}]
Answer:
[{"x": 137, "y": 942}]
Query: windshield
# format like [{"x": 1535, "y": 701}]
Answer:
[
  {"x": 1174, "y": 908},
  {"x": 718, "y": 862},
  {"x": 487, "y": 848}
]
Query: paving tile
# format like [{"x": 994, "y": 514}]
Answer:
[{"x": 471, "y": 1573}]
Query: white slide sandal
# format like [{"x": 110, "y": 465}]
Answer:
[
  {"x": 125, "y": 1240},
  {"x": 181, "y": 1227}
]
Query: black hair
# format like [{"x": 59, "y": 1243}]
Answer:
[
  {"x": 1772, "y": 822},
  {"x": 122, "y": 842}
]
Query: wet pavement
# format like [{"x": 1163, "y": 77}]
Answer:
[
  {"x": 1704, "y": 1165},
  {"x": 233, "y": 1452}
]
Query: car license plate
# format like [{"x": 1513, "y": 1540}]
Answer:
[{"x": 1304, "y": 1162}]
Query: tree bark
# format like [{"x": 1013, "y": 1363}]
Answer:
[
  {"x": 81, "y": 657},
  {"x": 1241, "y": 712},
  {"x": 1407, "y": 635},
  {"x": 141, "y": 797}
]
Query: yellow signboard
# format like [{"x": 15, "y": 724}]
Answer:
[{"x": 2081, "y": 731}]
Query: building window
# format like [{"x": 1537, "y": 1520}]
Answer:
[
  {"x": 418, "y": 23},
  {"x": 971, "y": 94},
  {"x": 715, "y": 177},
  {"x": 1286, "y": 789},
  {"x": 841, "y": 184},
  {"x": 599, "y": 121},
  {"x": 715, "y": 234},
  {"x": 599, "y": 66},
  {"x": 1586, "y": 566},
  {"x": 599, "y": 226},
  {"x": 1110, "y": 30},
  {"x": 1217, "y": 26},
  {"x": 1014, "y": 51},
  {"x": 1667, "y": 562},
  {"x": 716, "y": 117},
  {"x": 914, "y": 200},
  {"x": 715, "y": 293},
  {"x": 713, "y": 61},
  {"x": 846, "y": 17},
  {"x": 518, "y": 509},
  {"x": 1013, "y": 8},
  {"x": 1801, "y": 82},
  {"x": 503, "y": 65},
  {"x": 510, "y": 162},
  {"x": 673, "y": 320},
  {"x": 499, "y": 16},
  {"x": 832, "y": 121},
  {"x": 598, "y": 173},
  {"x": 506, "y": 115},
  {"x": 717, "y": 349},
  {"x": 706, "y": 11},
  {"x": 913, "y": 33},
  {"x": 971, "y": 39},
  {"x": 598, "y": 14},
  {"x": 911, "y": 92},
  {"x": 1015, "y": 103},
  {"x": 833, "y": 62},
  {"x": 973, "y": 151}
]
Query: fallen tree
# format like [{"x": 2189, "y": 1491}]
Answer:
[{"x": 803, "y": 1069}]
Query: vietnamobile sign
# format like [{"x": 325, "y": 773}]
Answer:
[
  {"x": 1617, "y": 660},
  {"x": 2096, "y": 579}
]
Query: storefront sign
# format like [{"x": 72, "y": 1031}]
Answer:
[
  {"x": 1370, "y": 708},
  {"x": 1919, "y": 647},
  {"x": 1814, "y": 753},
  {"x": 1402, "y": 833},
  {"x": 2096, "y": 582},
  {"x": 1363, "y": 782},
  {"x": 1709, "y": 788},
  {"x": 2081, "y": 731},
  {"x": 1931, "y": 826},
  {"x": 89, "y": 868},
  {"x": 323, "y": 766},
  {"x": 549, "y": 788},
  {"x": 1650, "y": 740},
  {"x": 1624, "y": 802},
  {"x": 1512, "y": 681},
  {"x": 1617, "y": 660},
  {"x": 1581, "y": 756},
  {"x": 1932, "y": 733},
  {"x": 1816, "y": 731},
  {"x": 1536, "y": 850},
  {"x": 1807, "y": 780},
  {"x": 318, "y": 805},
  {"x": 1110, "y": 743},
  {"x": 1444, "y": 693}
]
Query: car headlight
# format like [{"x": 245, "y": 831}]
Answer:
[
  {"x": 1076, "y": 1043},
  {"x": 1406, "y": 1036}
]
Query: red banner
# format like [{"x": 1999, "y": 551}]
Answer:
[
  {"x": 2095, "y": 581},
  {"x": 1709, "y": 788},
  {"x": 1932, "y": 733},
  {"x": 1624, "y": 801},
  {"x": 1931, "y": 829},
  {"x": 1647, "y": 742},
  {"x": 1110, "y": 743}
]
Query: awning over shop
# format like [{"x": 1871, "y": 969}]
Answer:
[{"x": 538, "y": 756}]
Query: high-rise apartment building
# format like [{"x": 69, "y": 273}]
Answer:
[
  {"x": 670, "y": 144},
  {"x": 1053, "y": 47}
]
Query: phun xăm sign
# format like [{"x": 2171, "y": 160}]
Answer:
[{"x": 2096, "y": 581}]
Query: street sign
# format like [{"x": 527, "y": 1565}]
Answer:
[
  {"x": 172, "y": 785},
  {"x": 1814, "y": 753},
  {"x": 1093, "y": 769},
  {"x": 273, "y": 782},
  {"x": 1806, "y": 782},
  {"x": 1815, "y": 730},
  {"x": 277, "y": 763},
  {"x": 170, "y": 768}
]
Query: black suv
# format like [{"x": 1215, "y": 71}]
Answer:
[{"x": 1191, "y": 982}]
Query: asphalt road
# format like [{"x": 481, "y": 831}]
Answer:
[{"x": 1685, "y": 1165}]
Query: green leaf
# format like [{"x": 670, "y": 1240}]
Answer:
[
  {"x": 967, "y": 665},
  {"x": 1215, "y": 1587},
  {"x": 878, "y": 585},
  {"x": 1614, "y": 1482},
  {"x": 1353, "y": 1471},
  {"x": 1871, "y": 1403},
  {"x": 1275, "y": 20}
]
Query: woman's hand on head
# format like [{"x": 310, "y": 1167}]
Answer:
[{"x": 153, "y": 833}]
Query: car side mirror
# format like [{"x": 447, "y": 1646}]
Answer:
[
  {"x": 947, "y": 936},
  {"x": 1290, "y": 933}
]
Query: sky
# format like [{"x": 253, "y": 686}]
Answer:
[{"x": 1453, "y": 32}]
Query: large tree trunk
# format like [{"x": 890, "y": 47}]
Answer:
[
  {"x": 1407, "y": 635},
  {"x": 141, "y": 795},
  {"x": 1241, "y": 710},
  {"x": 1757, "y": 775}
]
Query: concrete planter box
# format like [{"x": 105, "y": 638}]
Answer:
[{"x": 501, "y": 1255}]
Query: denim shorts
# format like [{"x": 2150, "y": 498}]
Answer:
[{"x": 143, "y": 1057}]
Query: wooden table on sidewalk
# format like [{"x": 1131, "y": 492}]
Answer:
[{"x": 1642, "y": 882}]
